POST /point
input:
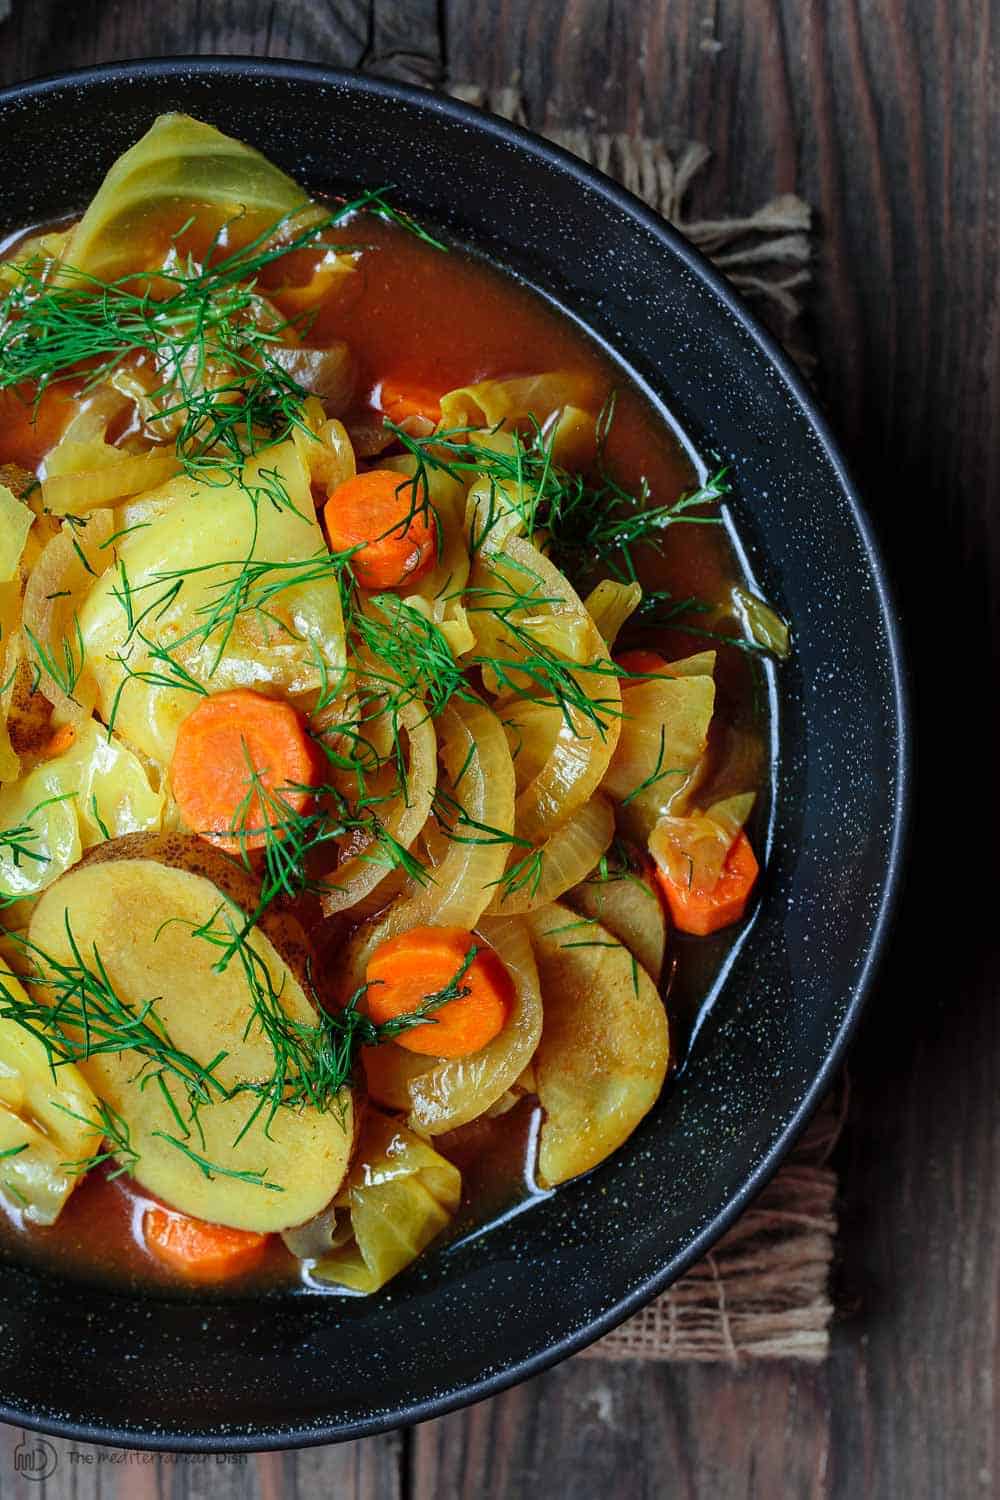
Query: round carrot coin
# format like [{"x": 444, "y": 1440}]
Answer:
[
  {"x": 201, "y": 1251},
  {"x": 406, "y": 972},
  {"x": 242, "y": 764},
  {"x": 379, "y": 514}
]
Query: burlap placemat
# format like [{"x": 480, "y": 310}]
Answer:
[{"x": 763, "y": 1292}]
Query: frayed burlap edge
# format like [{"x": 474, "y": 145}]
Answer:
[
  {"x": 765, "y": 255},
  {"x": 763, "y": 1291}
]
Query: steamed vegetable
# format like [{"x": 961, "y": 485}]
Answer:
[
  {"x": 200, "y": 1251},
  {"x": 399, "y": 1196},
  {"x": 459, "y": 989},
  {"x": 701, "y": 910},
  {"x": 603, "y": 1054},
  {"x": 88, "y": 789},
  {"x": 443, "y": 1094},
  {"x": 217, "y": 1093},
  {"x": 235, "y": 754},
  {"x": 50, "y": 1121},
  {"x": 664, "y": 733},
  {"x": 148, "y": 193},
  {"x": 390, "y": 536},
  {"x": 623, "y": 900},
  {"x": 186, "y": 612}
]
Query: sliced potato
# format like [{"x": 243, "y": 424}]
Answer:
[
  {"x": 48, "y": 1126},
  {"x": 630, "y": 909},
  {"x": 603, "y": 1055},
  {"x": 138, "y": 903}
]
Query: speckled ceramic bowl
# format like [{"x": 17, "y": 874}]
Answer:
[{"x": 466, "y": 1322}]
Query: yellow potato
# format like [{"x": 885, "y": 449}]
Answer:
[
  {"x": 46, "y": 1134},
  {"x": 603, "y": 1055},
  {"x": 137, "y": 904},
  {"x": 630, "y": 909}
]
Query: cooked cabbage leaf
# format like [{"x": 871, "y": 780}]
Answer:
[
  {"x": 399, "y": 1196},
  {"x": 178, "y": 164}
]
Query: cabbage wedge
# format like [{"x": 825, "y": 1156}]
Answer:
[
  {"x": 399, "y": 1196},
  {"x": 149, "y": 192}
]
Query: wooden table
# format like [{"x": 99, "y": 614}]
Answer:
[{"x": 885, "y": 114}]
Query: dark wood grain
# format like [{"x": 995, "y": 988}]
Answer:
[{"x": 886, "y": 115}]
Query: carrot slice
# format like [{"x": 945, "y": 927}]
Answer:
[
  {"x": 377, "y": 513},
  {"x": 198, "y": 1250},
  {"x": 701, "y": 912},
  {"x": 218, "y": 744},
  {"x": 405, "y": 971},
  {"x": 640, "y": 661},
  {"x": 400, "y": 400}
]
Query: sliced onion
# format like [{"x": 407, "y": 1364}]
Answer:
[
  {"x": 327, "y": 373},
  {"x": 610, "y": 604},
  {"x": 587, "y": 737},
  {"x": 692, "y": 850},
  {"x": 359, "y": 875},
  {"x": 628, "y": 906},
  {"x": 66, "y": 570},
  {"x": 477, "y": 774},
  {"x": 664, "y": 732},
  {"x": 104, "y": 476},
  {"x": 565, "y": 859},
  {"x": 459, "y": 1089}
]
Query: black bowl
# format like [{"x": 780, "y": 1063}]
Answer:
[{"x": 465, "y": 1323}]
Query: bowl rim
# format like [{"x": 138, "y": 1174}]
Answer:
[{"x": 674, "y": 245}]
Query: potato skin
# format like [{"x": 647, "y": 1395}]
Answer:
[{"x": 120, "y": 899}]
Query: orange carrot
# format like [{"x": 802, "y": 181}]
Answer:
[
  {"x": 378, "y": 513},
  {"x": 400, "y": 400},
  {"x": 702, "y": 912},
  {"x": 198, "y": 1250},
  {"x": 218, "y": 744},
  {"x": 640, "y": 661},
  {"x": 60, "y": 740},
  {"x": 405, "y": 971}
]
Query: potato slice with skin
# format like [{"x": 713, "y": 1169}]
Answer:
[
  {"x": 44, "y": 1115},
  {"x": 603, "y": 1055},
  {"x": 137, "y": 901}
]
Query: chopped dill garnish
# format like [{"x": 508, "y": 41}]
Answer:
[
  {"x": 211, "y": 1169},
  {"x": 86, "y": 1018},
  {"x": 65, "y": 673},
  {"x": 116, "y": 1139}
]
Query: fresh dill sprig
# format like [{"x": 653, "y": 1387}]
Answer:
[
  {"x": 86, "y": 1018},
  {"x": 586, "y": 521},
  {"x": 221, "y": 388},
  {"x": 211, "y": 1169},
  {"x": 116, "y": 1141},
  {"x": 66, "y": 671}
]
